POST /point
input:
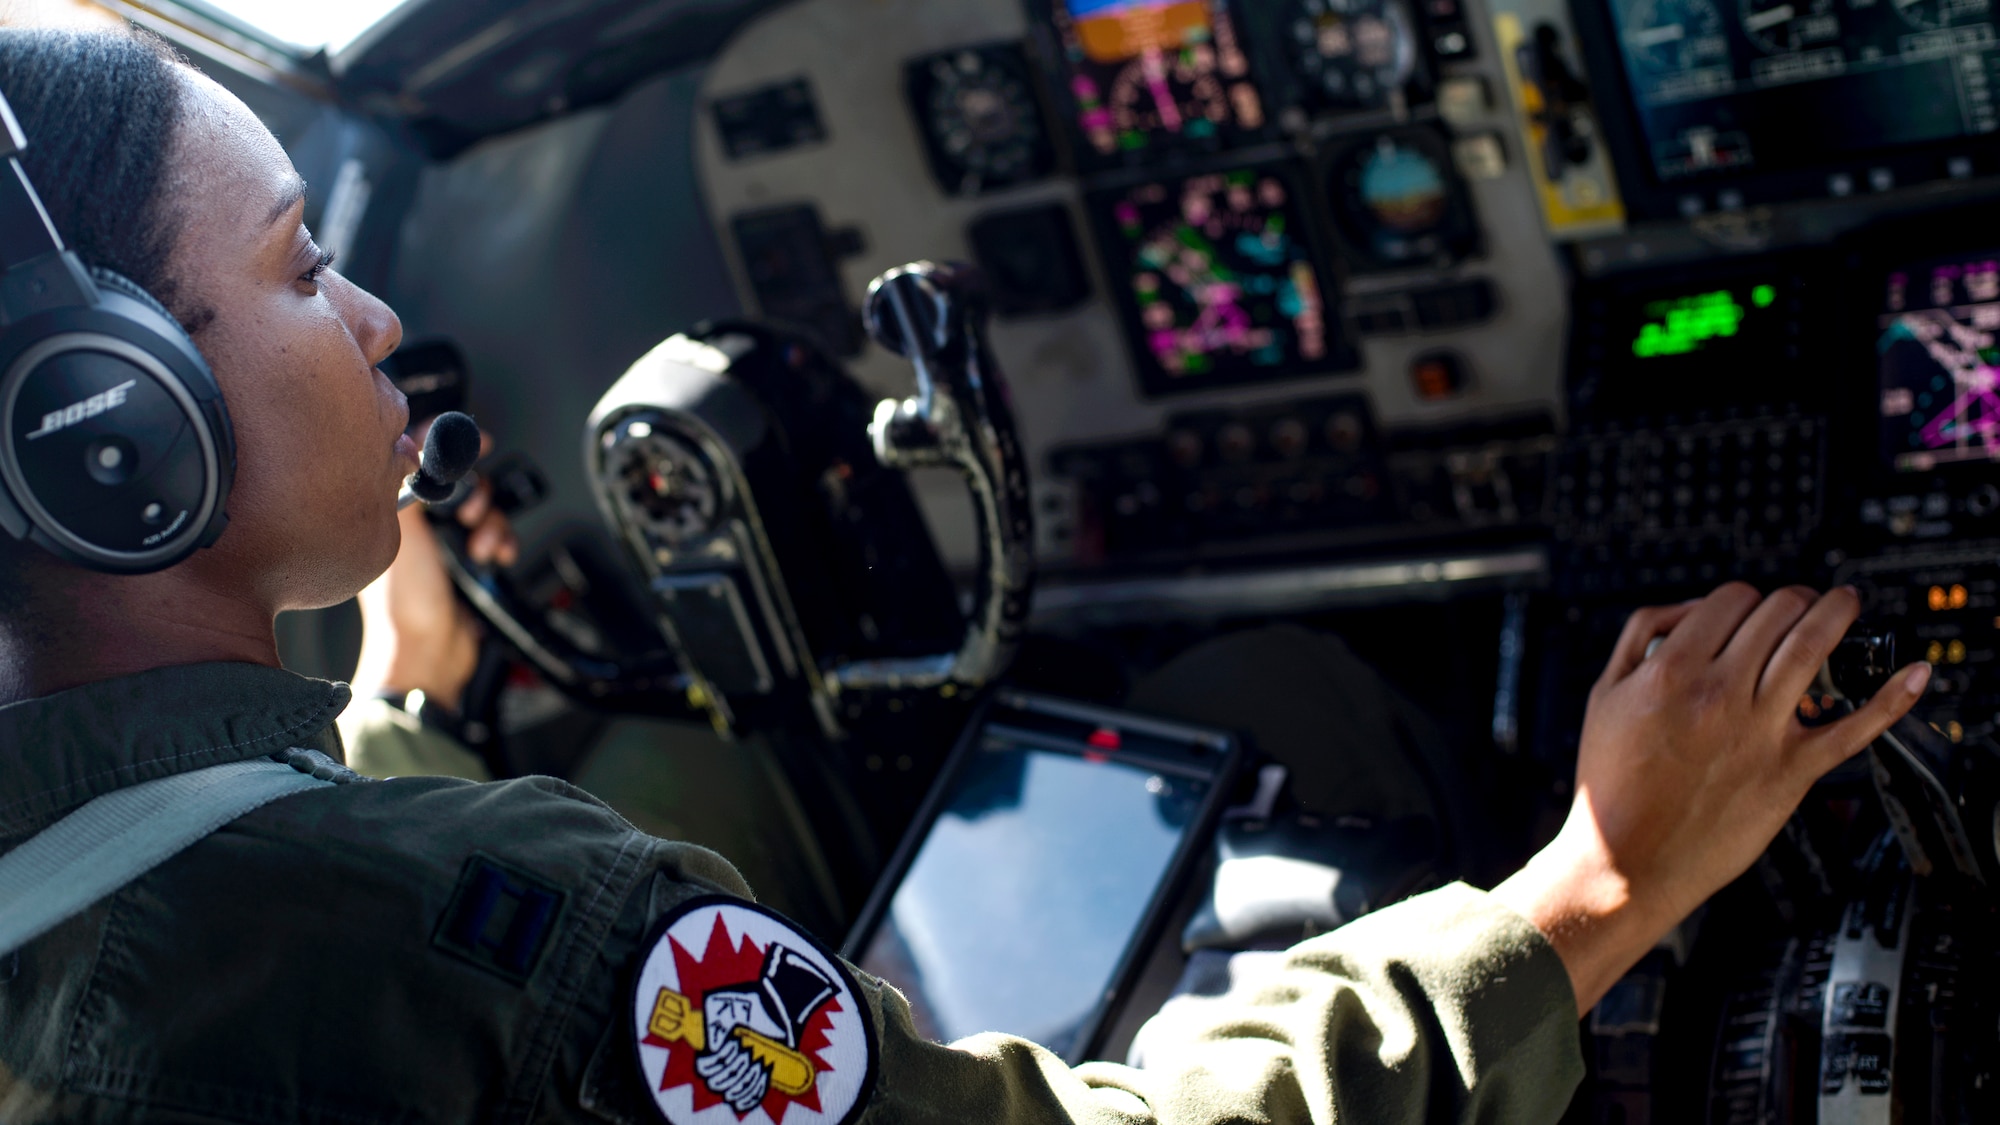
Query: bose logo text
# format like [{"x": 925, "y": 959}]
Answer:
[{"x": 77, "y": 411}]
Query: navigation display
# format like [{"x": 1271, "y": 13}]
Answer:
[
  {"x": 1216, "y": 279},
  {"x": 1937, "y": 358},
  {"x": 1146, "y": 76},
  {"x": 1757, "y": 86}
]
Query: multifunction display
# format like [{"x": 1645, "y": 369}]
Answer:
[
  {"x": 1937, "y": 362},
  {"x": 1755, "y": 86},
  {"x": 1146, "y": 76},
  {"x": 1691, "y": 343},
  {"x": 1216, "y": 278}
]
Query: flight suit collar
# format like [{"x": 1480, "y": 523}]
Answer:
[{"x": 61, "y": 750}]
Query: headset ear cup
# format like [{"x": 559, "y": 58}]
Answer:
[
  {"x": 119, "y": 283},
  {"x": 115, "y": 444}
]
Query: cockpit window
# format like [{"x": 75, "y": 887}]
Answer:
[{"x": 307, "y": 27}]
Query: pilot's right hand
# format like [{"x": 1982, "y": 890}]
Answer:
[
  {"x": 1692, "y": 759},
  {"x": 415, "y": 634}
]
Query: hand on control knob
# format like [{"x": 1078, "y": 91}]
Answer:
[
  {"x": 1692, "y": 759},
  {"x": 416, "y": 635}
]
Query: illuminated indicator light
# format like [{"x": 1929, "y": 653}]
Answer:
[
  {"x": 1762, "y": 296},
  {"x": 1935, "y": 653},
  {"x": 1958, "y": 597},
  {"x": 1808, "y": 708},
  {"x": 1680, "y": 325},
  {"x": 1936, "y": 598},
  {"x": 1104, "y": 738},
  {"x": 1954, "y": 653},
  {"x": 1954, "y": 731}
]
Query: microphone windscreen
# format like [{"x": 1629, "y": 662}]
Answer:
[{"x": 450, "y": 451}]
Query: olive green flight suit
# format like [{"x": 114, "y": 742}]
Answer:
[{"x": 292, "y": 967}]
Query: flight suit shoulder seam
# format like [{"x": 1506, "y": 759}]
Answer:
[{"x": 48, "y": 797}]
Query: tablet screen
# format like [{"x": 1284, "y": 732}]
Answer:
[{"x": 1022, "y": 899}]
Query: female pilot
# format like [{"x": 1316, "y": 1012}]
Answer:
[{"x": 434, "y": 950}]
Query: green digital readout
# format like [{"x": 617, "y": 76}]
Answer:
[{"x": 1681, "y": 325}]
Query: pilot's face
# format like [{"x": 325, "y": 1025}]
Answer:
[{"x": 319, "y": 442}]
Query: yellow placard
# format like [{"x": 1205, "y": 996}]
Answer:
[{"x": 1583, "y": 200}]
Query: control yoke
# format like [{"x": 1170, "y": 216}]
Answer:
[
  {"x": 935, "y": 317},
  {"x": 787, "y": 558}
]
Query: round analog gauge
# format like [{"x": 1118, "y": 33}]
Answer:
[
  {"x": 1403, "y": 190},
  {"x": 1929, "y": 15},
  {"x": 1354, "y": 53},
  {"x": 1783, "y": 26},
  {"x": 1397, "y": 203},
  {"x": 1668, "y": 37},
  {"x": 662, "y": 484},
  {"x": 983, "y": 120}
]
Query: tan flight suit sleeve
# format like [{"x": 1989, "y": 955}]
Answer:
[
  {"x": 383, "y": 740},
  {"x": 1447, "y": 1007}
]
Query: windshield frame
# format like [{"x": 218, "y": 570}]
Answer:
[{"x": 236, "y": 33}]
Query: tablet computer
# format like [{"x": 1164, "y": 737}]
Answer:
[{"x": 1041, "y": 868}]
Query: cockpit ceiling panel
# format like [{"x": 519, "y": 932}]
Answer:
[{"x": 462, "y": 70}]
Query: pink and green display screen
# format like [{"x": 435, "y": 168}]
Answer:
[
  {"x": 1216, "y": 278},
  {"x": 1149, "y": 75},
  {"x": 1938, "y": 363}
]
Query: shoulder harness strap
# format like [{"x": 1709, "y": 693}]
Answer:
[{"x": 114, "y": 839}]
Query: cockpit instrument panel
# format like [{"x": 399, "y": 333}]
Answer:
[
  {"x": 1739, "y": 102},
  {"x": 1938, "y": 356},
  {"x": 1146, "y": 77},
  {"x": 981, "y": 124},
  {"x": 1217, "y": 278}
]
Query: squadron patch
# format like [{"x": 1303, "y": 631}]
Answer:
[{"x": 740, "y": 1018}]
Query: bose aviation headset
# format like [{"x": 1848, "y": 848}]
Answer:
[{"x": 115, "y": 449}]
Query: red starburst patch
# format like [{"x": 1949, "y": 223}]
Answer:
[{"x": 727, "y": 964}]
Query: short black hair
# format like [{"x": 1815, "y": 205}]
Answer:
[{"x": 100, "y": 110}]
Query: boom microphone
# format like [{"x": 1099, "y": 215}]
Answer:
[{"x": 449, "y": 452}]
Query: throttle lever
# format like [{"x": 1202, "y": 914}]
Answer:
[{"x": 1909, "y": 762}]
